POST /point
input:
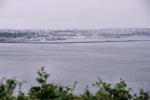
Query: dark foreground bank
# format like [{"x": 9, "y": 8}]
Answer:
[{"x": 51, "y": 91}]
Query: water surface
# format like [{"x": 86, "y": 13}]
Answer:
[{"x": 83, "y": 62}]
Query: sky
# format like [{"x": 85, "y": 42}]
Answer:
[{"x": 74, "y": 14}]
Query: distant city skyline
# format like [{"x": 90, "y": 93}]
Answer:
[{"x": 74, "y": 14}]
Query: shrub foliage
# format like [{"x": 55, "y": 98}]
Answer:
[{"x": 51, "y": 91}]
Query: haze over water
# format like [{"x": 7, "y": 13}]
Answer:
[
  {"x": 84, "y": 62},
  {"x": 74, "y": 14}
]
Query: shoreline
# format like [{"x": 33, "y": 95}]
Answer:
[{"x": 74, "y": 42}]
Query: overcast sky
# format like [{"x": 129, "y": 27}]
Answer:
[{"x": 74, "y": 14}]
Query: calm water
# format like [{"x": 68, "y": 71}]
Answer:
[{"x": 83, "y": 62}]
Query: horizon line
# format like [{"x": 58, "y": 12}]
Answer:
[{"x": 75, "y": 28}]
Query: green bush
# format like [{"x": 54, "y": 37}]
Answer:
[{"x": 51, "y": 91}]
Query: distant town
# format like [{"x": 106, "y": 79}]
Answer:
[{"x": 10, "y": 35}]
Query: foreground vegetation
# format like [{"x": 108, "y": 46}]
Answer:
[{"x": 50, "y": 91}]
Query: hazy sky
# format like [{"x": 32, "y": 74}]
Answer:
[{"x": 74, "y": 14}]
